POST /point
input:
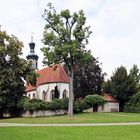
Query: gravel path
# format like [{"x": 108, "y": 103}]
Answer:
[{"x": 83, "y": 124}]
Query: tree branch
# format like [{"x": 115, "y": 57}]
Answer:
[{"x": 52, "y": 26}]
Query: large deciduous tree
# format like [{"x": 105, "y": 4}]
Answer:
[
  {"x": 13, "y": 72},
  {"x": 65, "y": 37},
  {"x": 88, "y": 79}
]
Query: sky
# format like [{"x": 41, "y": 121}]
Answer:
[{"x": 115, "y": 24}]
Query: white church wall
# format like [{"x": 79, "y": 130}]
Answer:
[
  {"x": 31, "y": 94},
  {"x": 63, "y": 87},
  {"x": 39, "y": 96},
  {"x": 46, "y": 88},
  {"x": 49, "y": 87}
]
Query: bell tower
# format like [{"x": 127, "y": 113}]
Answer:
[{"x": 32, "y": 57}]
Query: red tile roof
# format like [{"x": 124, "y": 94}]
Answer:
[
  {"x": 53, "y": 74},
  {"x": 109, "y": 98}
]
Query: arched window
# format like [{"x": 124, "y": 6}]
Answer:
[
  {"x": 65, "y": 93},
  {"x": 56, "y": 92},
  {"x": 52, "y": 94},
  {"x": 29, "y": 95},
  {"x": 33, "y": 95},
  {"x": 43, "y": 95}
]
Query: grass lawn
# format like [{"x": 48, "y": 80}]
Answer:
[
  {"x": 71, "y": 133},
  {"x": 80, "y": 118}
]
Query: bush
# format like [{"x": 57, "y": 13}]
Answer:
[
  {"x": 79, "y": 106},
  {"x": 37, "y": 104},
  {"x": 54, "y": 105},
  {"x": 58, "y": 104},
  {"x": 27, "y": 106},
  {"x": 133, "y": 105},
  {"x": 22, "y": 101},
  {"x": 65, "y": 102},
  {"x": 92, "y": 100}
]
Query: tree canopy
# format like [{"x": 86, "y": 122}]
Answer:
[
  {"x": 88, "y": 79},
  {"x": 133, "y": 105},
  {"x": 14, "y": 71},
  {"x": 65, "y": 36},
  {"x": 135, "y": 75},
  {"x": 122, "y": 85}
]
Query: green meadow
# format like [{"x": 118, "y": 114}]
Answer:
[
  {"x": 79, "y": 118},
  {"x": 71, "y": 133}
]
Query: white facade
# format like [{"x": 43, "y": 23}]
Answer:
[
  {"x": 45, "y": 92},
  {"x": 109, "y": 107}
]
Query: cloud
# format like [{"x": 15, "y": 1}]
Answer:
[
  {"x": 115, "y": 26},
  {"x": 116, "y": 31},
  {"x": 21, "y": 18}
]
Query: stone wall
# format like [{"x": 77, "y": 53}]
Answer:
[{"x": 43, "y": 113}]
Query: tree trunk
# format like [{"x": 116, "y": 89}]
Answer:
[
  {"x": 121, "y": 106},
  {"x": 71, "y": 95},
  {"x": 1, "y": 115}
]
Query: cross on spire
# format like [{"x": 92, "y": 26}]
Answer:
[{"x": 32, "y": 37}]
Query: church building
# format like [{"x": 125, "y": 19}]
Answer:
[{"x": 52, "y": 82}]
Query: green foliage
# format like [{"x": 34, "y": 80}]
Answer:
[
  {"x": 14, "y": 71},
  {"x": 135, "y": 75},
  {"x": 65, "y": 36},
  {"x": 37, "y": 104},
  {"x": 122, "y": 85},
  {"x": 79, "y": 106},
  {"x": 88, "y": 79},
  {"x": 92, "y": 100},
  {"x": 22, "y": 101},
  {"x": 106, "y": 86},
  {"x": 55, "y": 105},
  {"x": 34, "y": 105},
  {"x": 64, "y": 103},
  {"x": 133, "y": 104},
  {"x": 134, "y": 72},
  {"x": 27, "y": 106}
]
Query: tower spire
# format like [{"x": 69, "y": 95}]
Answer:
[
  {"x": 32, "y": 37},
  {"x": 32, "y": 57}
]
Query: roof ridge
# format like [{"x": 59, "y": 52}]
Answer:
[
  {"x": 60, "y": 68},
  {"x": 59, "y": 74}
]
